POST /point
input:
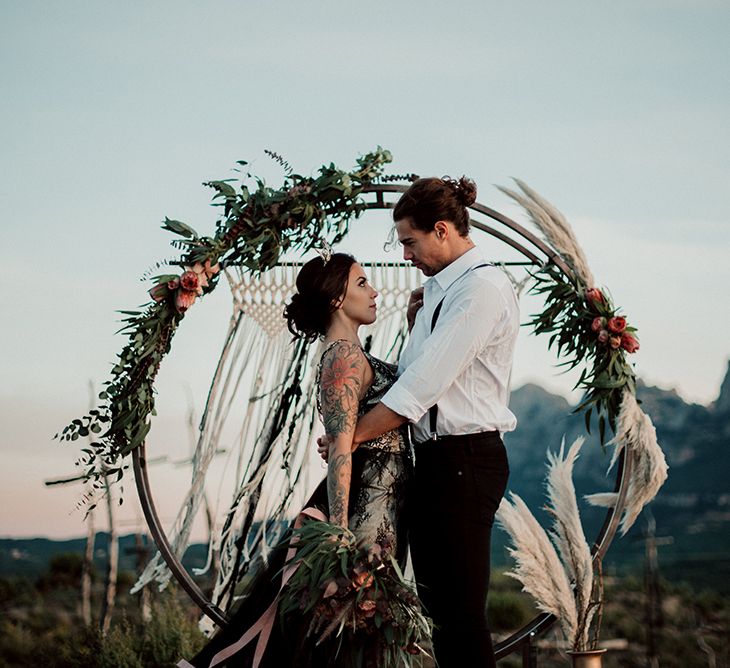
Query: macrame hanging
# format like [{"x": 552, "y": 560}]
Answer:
[{"x": 261, "y": 411}]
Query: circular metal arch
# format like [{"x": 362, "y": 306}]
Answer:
[{"x": 537, "y": 252}]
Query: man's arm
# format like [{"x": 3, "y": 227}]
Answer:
[
  {"x": 375, "y": 422},
  {"x": 456, "y": 340}
]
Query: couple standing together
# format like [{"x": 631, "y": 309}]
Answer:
[{"x": 451, "y": 386}]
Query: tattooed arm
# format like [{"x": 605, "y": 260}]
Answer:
[{"x": 343, "y": 373}]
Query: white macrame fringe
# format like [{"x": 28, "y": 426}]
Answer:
[{"x": 250, "y": 371}]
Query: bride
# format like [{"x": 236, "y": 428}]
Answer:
[{"x": 365, "y": 494}]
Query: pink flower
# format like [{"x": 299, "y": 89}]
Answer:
[
  {"x": 174, "y": 284},
  {"x": 190, "y": 281},
  {"x": 617, "y": 324},
  {"x": 207, "y": 269},
  {"x": 367, "y": 607},
  {"x": 184, "y": 299},
  {"x": 598, "y": 324},
  {"x": 198, "y": 276},
  {"x": 159, "y": 292},
  {"x": 362, "y": 580},
  {"x": 614, "y": 341},
  {"x": 629, "y": 343},
  {"x": 594, "y": 295},
  {"x": 603, "y": 336}
]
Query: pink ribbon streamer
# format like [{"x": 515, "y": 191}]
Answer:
[{"x": 264, "y": 625}]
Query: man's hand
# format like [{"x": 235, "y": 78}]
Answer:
[
  {"x": 323, "y": 446},
  {"x": 415, "y": 302}
]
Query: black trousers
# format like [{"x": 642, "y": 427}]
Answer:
[{"x": 459, "y": 483}]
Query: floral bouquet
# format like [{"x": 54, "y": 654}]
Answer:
[{"x": 355, "y": 595}]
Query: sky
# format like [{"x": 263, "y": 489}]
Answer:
[{"x": 113, "y": 114}]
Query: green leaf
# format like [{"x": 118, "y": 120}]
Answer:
[
  {"x": 602, "y": 428},
  {"x": 179, "y": 227}
]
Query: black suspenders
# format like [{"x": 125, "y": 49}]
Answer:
[{"x": 434, "y": 410}]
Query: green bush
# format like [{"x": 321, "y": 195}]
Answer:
[
  {"x": 508, "y": 611},
  {"x": 120, "y": 649},
  {"x": 169, "y": 636}
]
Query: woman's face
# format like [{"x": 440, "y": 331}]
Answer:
[{"x": 358, "y": 302}]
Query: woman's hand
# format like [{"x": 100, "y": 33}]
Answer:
[
  {"x": 324, "y": 443},
  {"x": 415, "y": 302},
  {"x": 323, "y": 446}
]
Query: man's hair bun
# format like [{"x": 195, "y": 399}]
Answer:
[
  {"x": 466, "y": 191},
  {"x": 431, "y": 199}
]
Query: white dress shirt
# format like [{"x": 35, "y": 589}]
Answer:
[{"x": 464, "y": 365}]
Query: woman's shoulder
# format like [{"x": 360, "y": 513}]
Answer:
[
  {"x": 343, "y": 362},
  {"x": 343, "y": 349}
]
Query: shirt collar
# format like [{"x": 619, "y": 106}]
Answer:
[{"x": 446, "y": 277}]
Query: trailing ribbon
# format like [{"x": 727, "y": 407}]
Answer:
[{"x": 263, "y": 626}]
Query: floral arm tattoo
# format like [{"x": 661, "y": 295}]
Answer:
[{"x": 343, "y": 369}]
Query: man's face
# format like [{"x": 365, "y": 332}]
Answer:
[{"x": 423, "y": 250}]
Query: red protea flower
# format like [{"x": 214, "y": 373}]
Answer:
[
  {"x": 598, "y": 324},
  {"x": 184, "y": 299},
  {"x": 362, "y": 580},
  {"x": 198, "y": 275},
  {"x": 629, "y": 343},
  {"x": 190, "y": 281},
  {"x": 367, "y": 607},
  {"x": 594, "y": 295},
  {"x": 617, "y": 324}
]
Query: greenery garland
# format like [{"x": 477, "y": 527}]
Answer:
[
  {"x": 587, "y": 328},
  {"x": 256, "y": 227}
]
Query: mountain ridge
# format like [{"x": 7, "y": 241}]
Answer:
[{"x": 693, "y": 506}]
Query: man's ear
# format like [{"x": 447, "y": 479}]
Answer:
[{"x": 441, "y": 228}]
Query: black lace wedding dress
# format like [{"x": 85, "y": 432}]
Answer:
[{"x": 378, "y": 510}]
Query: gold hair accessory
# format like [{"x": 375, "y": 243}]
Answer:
[{"x": 324, "y": 251}]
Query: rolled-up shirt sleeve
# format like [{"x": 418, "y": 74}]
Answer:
[{"x": 461, "y": 332}]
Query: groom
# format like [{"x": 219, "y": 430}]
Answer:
[{"x": 453, "y": 388}]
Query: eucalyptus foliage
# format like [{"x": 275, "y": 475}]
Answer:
[
  {"x": 567, "y": 317},
  {"x": 355, "y": 597},
  {"x": 257, "y": 224}
]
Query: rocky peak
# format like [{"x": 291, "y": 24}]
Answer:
[{"x": 722, "y": 404}]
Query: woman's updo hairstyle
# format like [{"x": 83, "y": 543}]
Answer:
[
  {"x": 320, "y": 286},
  {"x": 432, "y": 199}
]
